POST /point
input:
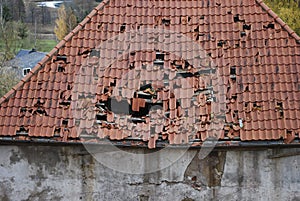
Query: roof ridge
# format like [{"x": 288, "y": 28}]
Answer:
[
  {"x": 279, "y": 20},
  {"x": 69, "y": 36}
]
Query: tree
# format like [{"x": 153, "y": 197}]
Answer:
[
  {"x": 82, "y": 8},
  {"x": 288, "y": 11},
  {"x": 65, "y": 23},
  {"x": 7, "y": 81},
  {"x": 13, "y": 10}
]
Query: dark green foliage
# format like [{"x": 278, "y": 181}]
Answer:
[{"x": 288, "y": 11}]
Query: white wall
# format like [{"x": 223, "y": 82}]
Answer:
[{"x": 71, "y": 173}]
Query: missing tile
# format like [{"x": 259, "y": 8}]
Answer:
[
  {"x": 221, "y": 43},
  {"x": 65, "y": 122},
  {"x": 101, "y": 117},
  {"x": 123, "y": 28},
  {"x": 247, "y": 27},
  {"x": 57, "y": 132},
  {"x": 23, "y": 110},
  {"x": 40, "y": 111},
  {"x": 269, "y": 26},
  {"x": 61, "y": 68},
  {"x": 279, "y": 105},
  {"x": 257, "y": 106},
  {"x": 233, "y": 70},
  {"x": 94, "y": 53},
  {"x": 22, "y": 131},
  {"x": 236, "y": 18},
  {"x": 159, "y": 60},
  {"x": 61, "y": 58},
  {"x": 266, "y": 42},
  {"x": 243, "y": 34},
  {"x": 166, "y": 22}
]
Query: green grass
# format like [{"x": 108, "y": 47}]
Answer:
[
  {"x": 45, "y": 45},
  {"x": 42, "y": 45}
]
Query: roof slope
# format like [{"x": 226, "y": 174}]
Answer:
[
  {"x": 27, "y": 58},
  {"x": 253, "y": 51}
]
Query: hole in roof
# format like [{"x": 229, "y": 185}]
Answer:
[
  {"x": 101, "y": 117},
  {"x": 243, "y": 33},
  {"x": 233, "y": 78},
  {"x": 277, "y": 69},
  {"x": 57, "y": 131},
  {"x": 269, "y": 26},
  {"x": 99, "y": 25},
  {"x": 218, "y": 4},
  {"x": 279, "y": 105},
  {"x": 236, "y": 18},
  {"x": 118, "y": 106},
  {"x": 114, "y": 83},
  {"x": 40, "y": 111},
  {"x": 281, "y": 113},
  {"x": 286, "y": 41},
  {"x": 160, "y": 56},
  {"x": 60, "y": 68},
  {"x": 232, "y": 70},
  {"x": 166, "y": 22},
  {"x": 61, "y": 58},
  {"x": 65, "y": 122},
  {"x": 247, "y": 89},
  {"x": 177, "y": 64},
  {"x": 289, "y": 132},
  {"x": 247, "y": 27},
  {"x": 202, "y": 17},
  {"x": 256, "y": 106},
  {"x": 246, "y": 104},
  {"x": 65, "y": 103},
  {"x": 23, "y": 109},
  {"x": 159, "y": 59},
  {"x": 123, "y": 27},
  {"x": 221, "y": 43},
  {"x": 266, "y": 42},
  {"x": 234, "y": 97},
  {"x": 95, "y": 53},
  {"x": 22, "y": 130},
  {"x": 229, "y": 12},
  {"x": 235, "y": 114},
  {"x": 132, "y": 65},
  {"x": 39, "y": 102},
  {"x": 84, "y": 52}
]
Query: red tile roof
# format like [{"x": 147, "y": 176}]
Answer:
[{"x": 70, "y": 97}]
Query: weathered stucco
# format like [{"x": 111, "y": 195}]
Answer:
[{"x": 71, "y": 173}]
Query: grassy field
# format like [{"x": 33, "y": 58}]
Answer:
[
  {"x": 42, "y": 45},
  {"x": 45, "y": 45}
]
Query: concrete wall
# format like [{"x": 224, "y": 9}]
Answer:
[{"x": 71, "y": 173}]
